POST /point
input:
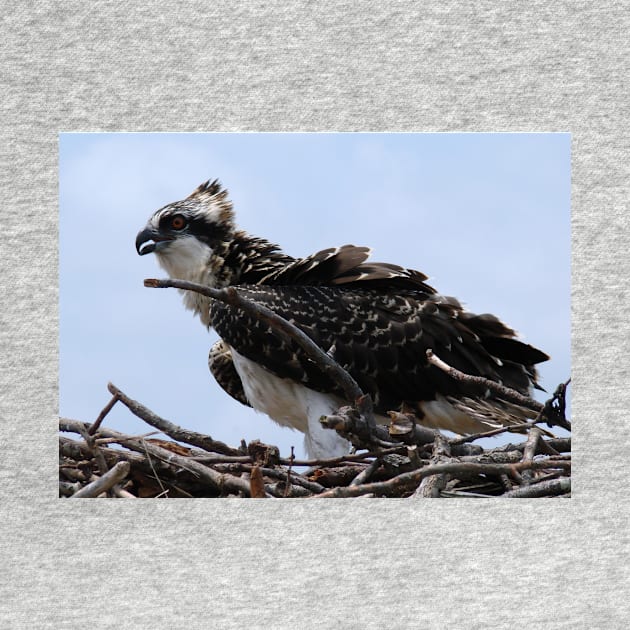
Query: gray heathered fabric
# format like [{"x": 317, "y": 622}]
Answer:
[{"x": 200, "y": 66}]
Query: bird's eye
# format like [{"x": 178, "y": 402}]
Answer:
[{"x": 178, "y": 222}]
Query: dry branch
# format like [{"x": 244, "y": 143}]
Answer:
[
  {"x": 505, "y": 392},
  {"x": 172, "y": 430},
  {"x": 550, "y": 488},
  {"x": 104, "y": 483},
  {"x": 409, "y": 480}
]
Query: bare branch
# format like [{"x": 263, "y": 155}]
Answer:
[
  {"x": 430, "y": 487},
  {"x": 351, "y": 424},
  {"x": 506, "y": 429},
  {"x": 172, "y": 430},
  {"x": 553, "y": 411},
  {"x": 101, "y": 416},
  {"x": 216, "y": 480},
  {"x": 331, "y": 461},
  {"x": 528, "y": 453},
  {"x": 550, "y": 488},
  {"x": 366, "y": 474},
  {"x": 505, "y": 392},
  {"x": 104, "y": 483},
  {"x": 407, "y": 481}
]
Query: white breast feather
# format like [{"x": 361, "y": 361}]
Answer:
[
  {"x": 292, "y": 405},
  {"x": 440, "y": 414}
]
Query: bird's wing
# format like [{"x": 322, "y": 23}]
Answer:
[
  {"x": 346, "y": 265},
  {"x": 222, "y": 368},
  {"x": 380, "y": 339}
]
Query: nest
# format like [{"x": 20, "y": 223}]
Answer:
[{"x": 402, "y": 460}]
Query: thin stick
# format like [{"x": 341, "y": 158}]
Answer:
[
  {"x": 528, "y": 454},
  {"x": 104, "y": 483},
  {"x": 123, "y": 494},
  {"x": 550, "y": 488},
  {"x": 477, "y": 436},
  {"x": 352, "y": 425},
  {"x": 172, "y": 430},
  {"x": 101, "y": 416},
  {"x": 497, "y": 388},
  {"x": 288, "y": 488},
  {"x": 343, "y": 458},
  {"x": 284, "y": 329},
  {"x": 216, "y": 480},
  {"x": 554, "y": 414},
  {"x": 408, "y": 481},
  {"x": 155, "y": 475},
  {"x": 430, "y": 487},
  {"x": 96, "y": 452},
  {"x": 366, "y": 474},
  {"x": 296, "y": 479}
]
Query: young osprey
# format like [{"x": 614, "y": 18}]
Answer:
[{"x": 375, "y": 319}]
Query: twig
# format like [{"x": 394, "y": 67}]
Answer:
[
  {"x": 430, "y": 487},
  {"x": 553, "y": 411},
  {"x": 300, "y": 480},
  {"x": 350, "y": 423},
  {"x": 343, "y": 458},
  {"x": 155, "y": 475},
  {"x": 278, "y": 490},
  {"x": 286, "y": 331},
  {"x": 103, "y": 441},
  {"x": 528, "y": 454},
  {"x": 104, "y": 483},
  {"x": 216, "y": 480},
  {"x": 560, "y": 445},
  {"x": 96, "y": 452},
  {"x": 550, "y": 488},
  {"x": 495, "y": 457},
  {"x": 408, "y": 481},
  {"x": 222, "y": 459},
  {"x": 122, "y": 494},
  {"x": 172, "y": 430},
  {"x": 76, "y": 450},
  {"x": 288, "y": 488},
  {"x": 497, "y": 388},
  {"x": 506, "y": 429},
  {"x": 366, "y": 474},
  {"x": 101, "y": 416}
]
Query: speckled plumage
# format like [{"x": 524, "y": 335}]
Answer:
[{"x": 376, "y": 319}]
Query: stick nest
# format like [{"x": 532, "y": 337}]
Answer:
[{"x": 402, "y": 460}]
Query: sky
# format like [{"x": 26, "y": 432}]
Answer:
[{"x": 485, "y": 216}]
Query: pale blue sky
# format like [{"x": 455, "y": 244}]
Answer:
[{"x": 485, "y": 216}]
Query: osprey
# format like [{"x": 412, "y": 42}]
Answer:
[{"x": 375, "y": 319}]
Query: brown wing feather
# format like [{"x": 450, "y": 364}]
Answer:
[{"x": 346, "y": 266}]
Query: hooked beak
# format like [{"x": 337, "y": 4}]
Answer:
[{"x": 143, "y": 244}]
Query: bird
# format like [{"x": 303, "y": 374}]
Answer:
[{"x": 376, "y": 320}]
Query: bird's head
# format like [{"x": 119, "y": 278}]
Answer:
[{"x": 184, "y": 234}]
